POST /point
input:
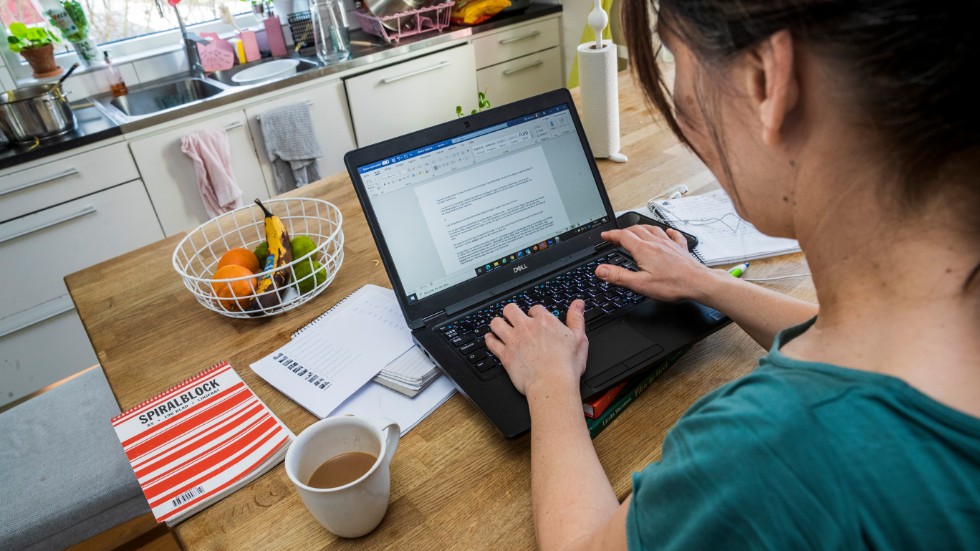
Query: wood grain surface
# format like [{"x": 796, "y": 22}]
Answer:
[{"x": 456, "y": 484}]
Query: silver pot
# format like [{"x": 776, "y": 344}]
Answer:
[{"x": 39, "y": 111}]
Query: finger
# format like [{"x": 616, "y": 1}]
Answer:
[
  {"x": 494, "y": 345},
  {"x": 677, "y": 237},
  {"x": 618, "y": 276},
  {"x": 538, "y": 311},
  {"x": 575, "y": 318},
  {"x": 624, "y": 238},
  {"x": 513, "y": 314},
  {"x": 501, "y": 329}
]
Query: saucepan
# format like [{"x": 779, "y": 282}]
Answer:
[{"x": 36, "y": 112}]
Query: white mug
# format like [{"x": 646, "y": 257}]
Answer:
[{"x": 356, "y": 508}]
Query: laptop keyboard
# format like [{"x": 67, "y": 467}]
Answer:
[{"x": 556, "y": 294}]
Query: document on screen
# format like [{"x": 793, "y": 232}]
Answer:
[{"x": 492, "y": 209}]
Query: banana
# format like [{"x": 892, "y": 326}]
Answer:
[{"x": 280, "y": 255}]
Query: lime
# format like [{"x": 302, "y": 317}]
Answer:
[
  {"x": 301, "y": 246},
  {"x": 301, "y": 273},
  {"x": 261, "y": 252}
]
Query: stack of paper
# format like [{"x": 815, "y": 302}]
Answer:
[{"x": 329, "y": 365}]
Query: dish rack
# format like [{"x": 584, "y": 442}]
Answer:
[
  {"x": 196, "y": 256},
  {"x": 408, "y": 23}
]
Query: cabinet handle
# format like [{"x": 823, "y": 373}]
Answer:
[
  {"x": 439, "y": 65},
  {"x": 36, "y": 315},
  {"x": 513, "y": 39},
  {"x": 89, "y": 209},
  {"x": 532, "y": 65},
  {"x": 234, "y": 125},
  {"x": 46, "y": 179}
]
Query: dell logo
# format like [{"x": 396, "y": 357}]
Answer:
[{"x": 520, "y": 268}]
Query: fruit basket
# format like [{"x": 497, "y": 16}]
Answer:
[{"x": 197, "y": 256}]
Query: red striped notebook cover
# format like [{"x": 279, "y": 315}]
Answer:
[{"x": 200, "y": 441}]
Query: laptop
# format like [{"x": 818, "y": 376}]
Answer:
[{"x": 507, "y": 205}]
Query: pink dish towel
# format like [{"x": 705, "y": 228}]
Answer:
[{"x": 211, "y": 154}]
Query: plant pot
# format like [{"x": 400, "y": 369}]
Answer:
[{"x": 41, "y": 60}]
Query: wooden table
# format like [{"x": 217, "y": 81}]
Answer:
[{"x": 456, "y": 483}]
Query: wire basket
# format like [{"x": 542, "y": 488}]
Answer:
[
  {"x": 196, "y": 257},
  {"x": 407, "y": 23}
]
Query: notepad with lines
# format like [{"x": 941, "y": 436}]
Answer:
[{"x": 723, "y": 236}]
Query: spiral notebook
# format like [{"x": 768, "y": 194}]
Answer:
[
  {"x": 199, "y": 441},
  {"x": 409, "y": 373},
  {"x": 723, "y": 236}
]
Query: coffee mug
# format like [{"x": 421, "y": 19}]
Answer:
[{"x": 353, "y": 509}]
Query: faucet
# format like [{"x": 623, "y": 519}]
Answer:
[{"x": 191, "y": 40}]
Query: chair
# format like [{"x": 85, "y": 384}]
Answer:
[{"x": 65, "y": 477}]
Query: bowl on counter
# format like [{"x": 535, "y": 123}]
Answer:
[
  {"x": 196, "y": 257},
  {"x": 273, "y": 70}
]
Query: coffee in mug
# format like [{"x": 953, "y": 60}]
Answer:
[{"x": 341, "y": 469}]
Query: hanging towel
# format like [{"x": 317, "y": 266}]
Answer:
[
  {"x": 291, "y": 145},
  {"x": 211, "y": 153}
]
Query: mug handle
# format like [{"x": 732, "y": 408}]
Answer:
[{"x": 394, "y": 434}]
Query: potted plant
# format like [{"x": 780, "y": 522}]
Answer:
[{"x": 36, "y": 44}]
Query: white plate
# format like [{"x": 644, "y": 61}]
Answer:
[{"x": 266, "y": 71}]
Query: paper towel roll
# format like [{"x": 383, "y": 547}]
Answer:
[{"x": 600, "y": 98}]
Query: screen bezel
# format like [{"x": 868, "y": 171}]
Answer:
[{"x": 440, "y": 301}]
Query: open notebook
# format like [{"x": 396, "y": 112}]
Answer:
[{"x": 724, "y": 237}]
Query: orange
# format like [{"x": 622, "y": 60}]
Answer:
[
  {"x": 227, "y": 290},
  {"x": 240, "y": 257}
]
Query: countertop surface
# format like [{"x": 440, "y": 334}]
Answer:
[
  {"x": 91, "y": 127},
  {"x": 94, "y": 125}
]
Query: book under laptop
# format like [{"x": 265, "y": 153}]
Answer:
[{"x": 508, "y": 206}]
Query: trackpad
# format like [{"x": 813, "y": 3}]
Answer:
[{"x": 611, "y": 346}]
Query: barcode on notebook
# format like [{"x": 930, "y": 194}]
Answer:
[
  {"x": 298, "y": 369},
  {"x": 187, "y": 496}
]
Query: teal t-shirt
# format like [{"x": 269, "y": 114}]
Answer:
[{"x": 802, "y": 455}]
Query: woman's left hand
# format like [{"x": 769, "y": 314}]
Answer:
[{"x": 537, "y": 349}]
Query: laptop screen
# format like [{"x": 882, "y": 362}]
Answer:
[{"x": 463, "y": 207}]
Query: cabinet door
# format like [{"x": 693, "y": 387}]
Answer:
[
  {"x": 50, "y": 244},
  {"x": 516, "y": 41},
  {"x": 47, "y": 348},
  {"x": 412, "y": 95},
  {"x": 169, "y": 174},
  {"x": 331, "y": 122},
  {"x": 522, "y": 77}
]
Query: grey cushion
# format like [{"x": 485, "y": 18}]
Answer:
[{"x": 65, "y": 476}]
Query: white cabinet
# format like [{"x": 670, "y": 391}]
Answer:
[
  {"x": 412, "y": 95},
  {"x": 170, "y": 178},
  {"x": 519, "y": 62},
  {"x": 522, "y": 77},
  {"x": 74, "y": 221},
  {"x": 331, "y": 123}
]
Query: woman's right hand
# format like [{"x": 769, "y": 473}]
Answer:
[{"x": 667, "y": 270}]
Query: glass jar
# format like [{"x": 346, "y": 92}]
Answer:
[{"x": 330, "y": 32}]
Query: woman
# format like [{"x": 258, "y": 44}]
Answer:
[{"x": 849, "y": 127}]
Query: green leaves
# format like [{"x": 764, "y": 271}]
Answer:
[
  {"x": 21, "y": 37},
  {"x": 481, "y": 103}
]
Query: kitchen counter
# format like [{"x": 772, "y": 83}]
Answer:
[
  {"x": 372, "y": 56},
  {"x": 92, "y": 126}
]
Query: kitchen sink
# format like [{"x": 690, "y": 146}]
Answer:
[
  {"x": 142, "y": 101},
  {"x": 226, "y": 77}
]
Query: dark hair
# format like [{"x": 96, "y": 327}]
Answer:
[{"x": 908, "y": 63}]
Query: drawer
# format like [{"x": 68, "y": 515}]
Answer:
[
  {"x": 522, "y": 77},
  {"x": 411, "y": 95},
  {"x": 48, "y": 344},
  {"x": 30, "y": 190},
  {"x": 516, "y": 42},
  {"x": 42, "y": 248}
]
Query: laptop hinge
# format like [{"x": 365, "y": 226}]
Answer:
[{"x": 427, "y": 320}]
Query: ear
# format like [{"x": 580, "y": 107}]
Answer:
[{"x": 772, "y": 84}]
